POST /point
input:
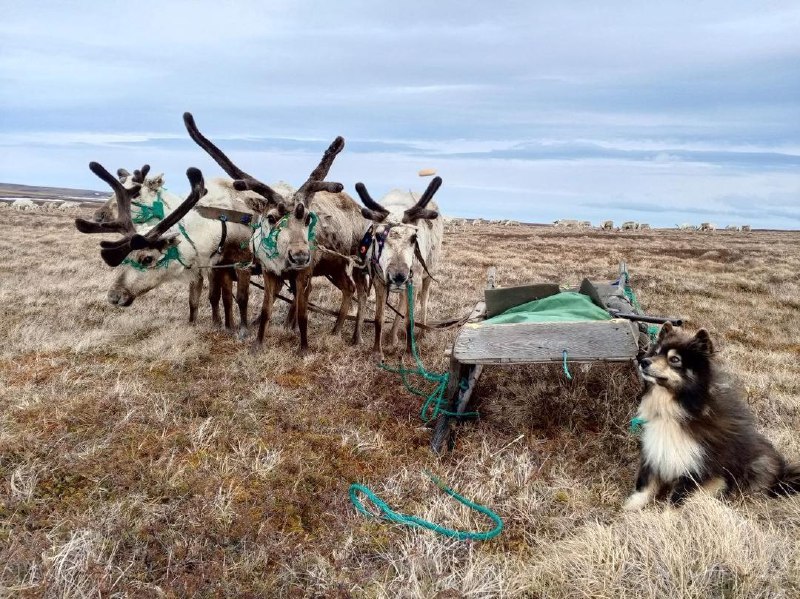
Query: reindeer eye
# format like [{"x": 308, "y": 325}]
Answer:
[
  {"x": 271, "y": 219},
  {"x": 308, "y": 219},
  {"x": 413, "y": 239},
  {"x": 675, "y": 360},
  {"x": 146, "y": 261}
]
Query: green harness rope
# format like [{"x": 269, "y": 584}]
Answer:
[
  {"x": 435, "y": 401},
  {"x": 637, "y": 425},
  {"x": 398, "y": 518},
  {"x": 171, "y": 254},
  {"x": 270, "y": 241},
  {"x": 148, "y": 212},
  {"x": 566, "y": 367}
]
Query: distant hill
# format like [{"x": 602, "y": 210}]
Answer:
[{"x": 11, "y": 191}]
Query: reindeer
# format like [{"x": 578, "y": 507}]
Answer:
[
  {"x": 23, "y": 204},
  {"x": 190, "y": 252},
  {"x": 107, "y": 211},
  {"x": 153, "y": 202},
  {"x": 746, "y": 228},
  {"x": 287, "y": 232},
  {"x": 405, "y": 238},
  {"x": 708, "y": 227},
  {"x": 608, "y": 225},
  {"x": 644, "y": 226},
  {"x": 629, "y": 225}
]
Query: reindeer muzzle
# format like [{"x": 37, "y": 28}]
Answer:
[
  {"x": 298, "y": 260},
  {"x": 120, "y": 297}
]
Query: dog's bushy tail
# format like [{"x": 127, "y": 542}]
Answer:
[{"x": 788, "y": 482}]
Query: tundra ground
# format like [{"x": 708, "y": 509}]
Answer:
[{"x": 141, "y": 456}]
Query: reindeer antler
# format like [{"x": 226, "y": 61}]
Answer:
[
  {"x": 139, "y": 175},
  {"x": 227, "y": 165},
  {"x": 419, "y": 211},
  {"x": 123, "y": 223},
  {"x": 114, "y": 252},
  {"x": 315, "y": 181},
  {"x": 373, "y": 211}
]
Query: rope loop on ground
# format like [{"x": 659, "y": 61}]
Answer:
[{"x": 388, "y": 513}]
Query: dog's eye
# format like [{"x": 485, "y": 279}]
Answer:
[
  {"x": 146, "y": 261},
  {"x": 675, "y": 360}
]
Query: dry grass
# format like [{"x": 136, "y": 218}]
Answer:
[{"x": 140, "y": 456}]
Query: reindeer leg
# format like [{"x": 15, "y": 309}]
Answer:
[
  {"x": 343, "y": 283},
  {"x": 226, "y": 280},
  {"x": 361, "y": 291},
  {"x": 195, "y": 290},
  {"x": 423, "y": 306},
  {"x": 301, "y": 299},
  {"x": 409, "y": 303},
  {"x": 214, "y": 294},
  {"x": 291, "y": 316},
  {"x": 398, "y": 319},
  {"x": 242, "y": 298},
  {"x": 380, "y": 307},
  {"x": 271, "y": 286}
]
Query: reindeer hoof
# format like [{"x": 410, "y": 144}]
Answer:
[
  {"x": 242, "y": 334},
  {"x": 303, "y": 352},
  {"x": 255, "y": 349}
]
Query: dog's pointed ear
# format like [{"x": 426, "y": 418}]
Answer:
[
  {"x": 702, "y": 341},
  {"x": 666, "y": 329}
]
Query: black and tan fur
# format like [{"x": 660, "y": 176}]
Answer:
[{"x": 698, "y": 431}]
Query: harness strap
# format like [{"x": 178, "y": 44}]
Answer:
[
  {"x": 418, "y": 254},
  {"x": 223, "y": 222}
]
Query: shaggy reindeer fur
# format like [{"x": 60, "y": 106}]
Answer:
[
  {"x": 412, "y": 232},
  {"x": 339, "y": 229},
  {"x": 698, "y": 431}
]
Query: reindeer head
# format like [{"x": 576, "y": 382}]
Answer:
[
  {"x": 284, "y": 237},
  {"x": 394, "y": 234},
  {"x": 106, "y": 213},
  {"x": 145, "y": 260}
]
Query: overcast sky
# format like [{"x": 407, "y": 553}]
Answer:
[{"x": 676, "y": 112}]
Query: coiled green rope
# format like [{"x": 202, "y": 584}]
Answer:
[
  {"x": 435, "y": 401},
  {"x": 393, "y": 516}
]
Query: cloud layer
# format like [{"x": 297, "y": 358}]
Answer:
[{"x": 528, "y": 110}]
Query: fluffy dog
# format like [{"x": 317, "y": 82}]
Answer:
[{"x": 697, "y": 431}]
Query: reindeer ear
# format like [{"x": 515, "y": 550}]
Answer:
[
  {"x": 259, "y": 205},
  {"x": 412, "y": 215},
  {"x": 156, "y": 182},
  {"x": 702, "y": 342},
  {"x": 374, "y": 216}
]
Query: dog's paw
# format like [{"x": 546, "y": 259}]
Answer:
[{"x": 636, "y": 501}]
